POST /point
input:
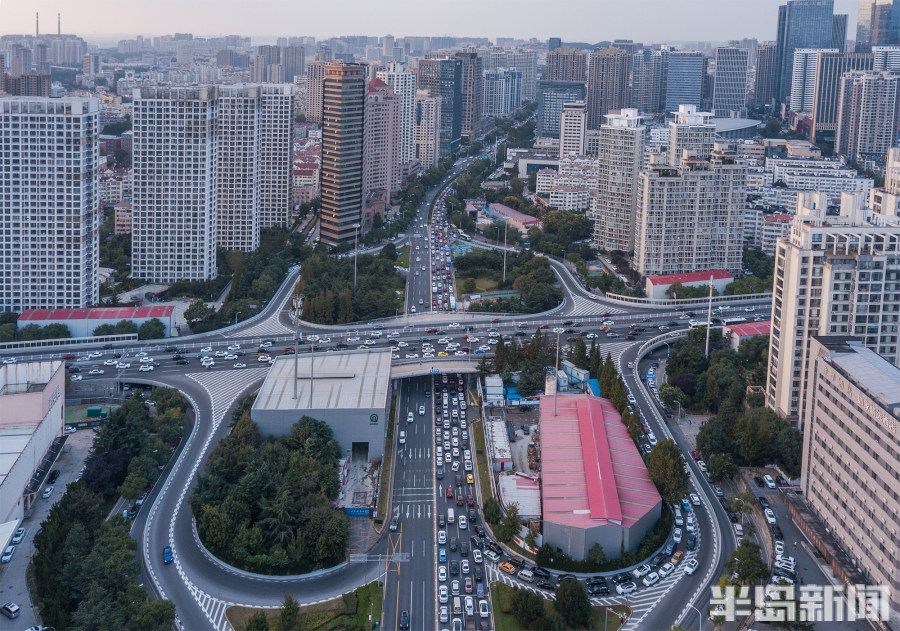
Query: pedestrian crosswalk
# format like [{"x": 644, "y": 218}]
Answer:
[
  {"x": 268, "y": 327},
  {"x": 616, "y": 349},
  {"x": 224, "y": 387},
  {"x": 578, "y": 305}
]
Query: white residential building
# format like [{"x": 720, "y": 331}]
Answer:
[
  {"x": 868, "y": 114},
  {"x": 572, "y": 125},
  {"x": 403, "y": 83},
  {"x": 277, "y": 105},
  {"x": 502, "y": 92},
  {"x": 571, "y": 198},
  {"x": 834, "y": 275},
  {"x": 49, "y": 203},
  {"x": 690, "y": 218},
  {"x": 381, "y": 138},
  {"x": 175, "y": 166},
  {"x": 427, "y": 129},
  {"x": 619, "y": 156},
  {"x": 824, "y": 175},
  {"x": 803, "y": 78},
  {"x": 772, "y": 228},
  {"x": 886, "y": 201},
  {"x": 692, "y": 131},
  {"x": 886, "y": 58},
  {"x": 239, "y": 131}
]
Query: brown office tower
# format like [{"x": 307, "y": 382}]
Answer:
[
  {"x": 315, "y": 75},
  {"x": 472, "y": 92},
  {"x": 343, "y": 106},
  {"x": 607, "y": 86}
]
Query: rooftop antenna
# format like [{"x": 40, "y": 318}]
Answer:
[
  {"x": 37, "y": 24},
  {"x": 59, "y": 23}
]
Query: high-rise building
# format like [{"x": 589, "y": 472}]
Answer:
[
  {"x": 868, "y": 114},
  {"x": 607, "y": 87},
  {"x": 91, "y": 65},
  {"x": 831, "y": 278},
  {"x": 765, "y": 75},
  {"x": 645, "y": 78},
  {"x": 471, "y": 91},
  {"x": 619, "y": 156},
  {"x": 238, "y": 131},
  {"x": 850, "y": 466},
  {"x": 565, "y": 64},
  {"x": 803, "y": 78},
  {"x": 174, "y": 209},
  {"x": 730, "y": 89},
  {"x": 293, "y": 62},
  {"x": 403, "y": 83},
  {"x": 690, "y": 218},
  {"x": 381, "y": 138},
  {"x": 573, "y": 120},
  {"x": 877, "y": 24},
  {"x": 276, "y": 154},
  {"x": 801, "y": 24},
  {"x": 886, "y": 58},
  {"x": 443, "y": 78},
  {"x": 553, "y": 43},
  {"x": 343, "y": 114},
  {"x": 31, "y": 83},
  {"x": 387, "y": 48},
  {"x": 524, "y": 61},
  {"x": 829, "y": 69},
  {"x": 502, "y": 92},
  {"x": 49, "y": 196},
  {"x": 685, "y": 74},
  {"x": 839, "y": 31},
  {"x": 427, "y": 129},
  {"x": 315, "y": 79},
  {"x": 692, "y": 131},
  {"x": 552, "y": 96}
]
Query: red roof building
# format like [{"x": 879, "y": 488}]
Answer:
[
  {"x": 82, "y": 322},
  {"x": 595, "y": 487},
  {"x": 742, "y": 332},
  {"x": 656, "y": 286}
]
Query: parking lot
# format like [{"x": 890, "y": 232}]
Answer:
[{"x": 12, "y": 575}]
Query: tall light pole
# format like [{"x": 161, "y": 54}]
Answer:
[
  {"x": 505, "y": 232},
  {"x": 699, "y": 616},
  {"x": 355, "y": 250},
  {"x": 709, "y": 315},
  {"x": 558, "y": 330}
]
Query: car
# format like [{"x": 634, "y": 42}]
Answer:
[
  {"x": 685, "y": 504},
  {"x": 124, "y": 365},
  {"x": 470, "y": 479},
  {"x": 642, "y": 571},
  {"x": 442, "y": 573},
  {"x": 110, "y": 362},
  {"x": 651, "y": 579},
  {"x": 451, "y": 493},
  {"x": 702, "y": 466},
  {"x": 454, "y": 587},
  {"x": 47, "y": 492},
  {"x": 719, "y": 491},
  {"x": 18, "y": 536},
  {"x": 665, "y": 570},
  {"x": 507, "y": 567},
  {"x": 695, "y": 499},
  {"x": 75, "y": 378},
  {"x": 7, "y": 555},
  {"x": 443, "y": 594},
  {"x": 626, "y": 588},
  {"x": 97, "y": 371},
  {"x": 476, "y": 556},
  {"x": 677, "y": 557},
  {"x": 167, "y": 555},
  {"x": 205, "y": 349},
  {"x": 465, "y": 566},
  {"x": 442, "y": 555},
  {"x": 442, "y": 536},
  {"x": 690, "y": 566},
  {"x": 676, "y": 535},
  {"x": 691, "y": 542},
  {"x": 483, "y": 610},
  {"x": 10, "y": 610},
  {"x": 404, "y": 619},
  {"x": 779, "y": 548},
  {"x": 770, "y": 516},
  {"x": 240, "y": 365},
  {"x": 143, "y": 368}
]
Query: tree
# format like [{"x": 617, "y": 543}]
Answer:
[
  {"x": 527, "y": 606},
  {"x": 510, "y": 524},
  {"x": 665, "y": 464},
  {"x": 152, "y": 330},
  {"x": 198, "y": 311},
  {"x": 257, "y": 622},
  {"x": 721, "y": 467},
  {"x": 572, "y": 604},
  {"x": 747, "y": 562},
  {"x": 289, "y": 616},
  {"x": 517, "y": 186},
  {"x": 389, "y": 252},
  {"x": 492, "y": 512},
  {"x": 469, "y": 286},
  {"x": 671, "y": 396},
  {"x": 741, "y": 503},
  {"x": 596, "y": 555}
]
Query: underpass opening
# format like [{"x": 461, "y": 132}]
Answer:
[{"x": 359, "y": 452}]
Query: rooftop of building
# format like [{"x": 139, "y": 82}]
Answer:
[
  {"x": 105, "y": 313},
  {"x": 592, "y": 473},
  {"x": 725, "y": 125},
  {"x": 342, "y": 380},
  {"x": 512, "y": 213},
  {"x": 749, "y": 329},
  {"x": 690, "y": 277},
  {"x": 866, "y": 368},
  {"x": 523, "y": 490},
  {"x": 778, "y": 218},
  {"x": 13, "y": 441}
]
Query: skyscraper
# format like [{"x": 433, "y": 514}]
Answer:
[
  {"x": 692, "y": 131},
  {"x": 553, "y": 43},
  {"x": 685, "y": 74},
  {"x": 877, "y": 24},
  {"x": 645, "y": 78},
  {"x": 801, "y": 24},
  {"x": 839, "y": 32},
  {"x": 868, "y": 114},
  {"x": 276, "y": 154},
  {"x": 403, "y": 83},
  {"x": 381, "y": 138},
  {"x": 502, "y": 92},
  {"x": 565, "y": 64},
  {"x": 552, "y": 95},
  {"x": 428, "y": 129},
  {"x": 730, "y": 89},
  {"x": 471, "y": 91},
  {"x": 343, "y": 113},
  {"x": 830, "y": 274},
  {"x": 803, "y": 78},
  {"x": 607, "y": 88},
  {"x": 829, "y": 68},
  {"x": 238, "y": 133},
  {"x": 174, "y": 208},
  {"x": 443, "y": 78},
  {"x": 49, "y": 208},
  {"x": 620, "y": 155},
  {"x": 765, "y": 75},
  {"x": 315, "y": 79},
  {"x": 572, "y": 126}
]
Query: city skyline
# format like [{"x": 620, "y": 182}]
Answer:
[{"x": 673, "y": 21}]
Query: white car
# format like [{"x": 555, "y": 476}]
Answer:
[
  {"x": 110, "y": 362},
  {"x": 234, "y": 347},
  {"x": 690, "y": 566},
  {"x": 695, "y": 499},
  {"x": 443, "y": 593},
  {"x": 442, "y": 537},
  {"x": 676, "y": 536},
  {"x": 262, "y": 358},
  {"x": 96, "y": 371},
  {"x": 393, "y": 334},
  {"x": 651, "y": 579},
  {"x": 76, "y": 377},
  {"x": 146, "y": 360},
  {"x": 145, "y": 368},
  {"x": 476, "y": 556},
  {"x": 409, "y": 417},
  {"x": 123, "y": 365},
  {"x": 205, "y": 349},
  {"x": 353, "y": 339},
  {"x": 240, "y": 365},
  {"x": 412, "y": 356},
  {"x": 453, "y": 325},
  {"x": 11, "y": 360},
  {"x": 402, "y": 344},
  {"x": 218, "y": 354},
  {"x": 47, "y": 492},
  {"x": 442, "y": 573},
  {"x": 665, "y": 570},
  {"x": 625, "y": 588},
  {"x": 770, "y": 516},
  {"x": 483, "y": 610},
  {"x": 608, "y": 323},
  {"x": 421, "y": 410},
  {"x": 369, "y": 343},
  {"x": 231, "y": 357}
]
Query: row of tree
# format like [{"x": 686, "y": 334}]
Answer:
[
  {"x": 85, "y": 567},
  {"x": 571, "y": 608},
  {"x": 152, "y": 329},
  {"x": 531, "y": 276},
  {"x": 264, "y": 504}
]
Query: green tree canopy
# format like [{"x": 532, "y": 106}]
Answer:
[{"x": 665, "y": 464}]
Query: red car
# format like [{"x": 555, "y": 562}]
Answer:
[
  {"x": 470, "y": 500},
  {"x": 460, "y": 501},
  {"x": 695, "y": 455},
  {"x": 431, "y": 331},
  {"x": 450, "y": 493}
]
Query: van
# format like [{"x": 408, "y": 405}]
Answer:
[
  {"x": 8, "y": 554},
  {"x": 451, "y": 518},
  {"x": 738, "y": 530},
  {"x": 457, "y": 606},
  {"x": 769, "y": 481},
  {"x": 470, "y": 606},
  {"x": 527, "y": 575}
]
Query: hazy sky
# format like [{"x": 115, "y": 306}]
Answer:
[{"x": 573, "y": 20}]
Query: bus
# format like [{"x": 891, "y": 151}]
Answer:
[
  {"x": 693, "y": 324},
  {"x": 737, "y": 320},
  {"x": 464, "y": 236}
]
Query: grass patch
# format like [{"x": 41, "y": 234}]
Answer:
[
  {"x": 521, "y": 551},
  {"x": 484, "y": 472},
  {"x": 482, "y": 284},
  {"x": 603, "y": 618},
  {"x": 403, "y": 256},
  {"x": 75, "y": 413},
  {"x": 338, "y": 613},
  {"x": 383, "y": 487}
]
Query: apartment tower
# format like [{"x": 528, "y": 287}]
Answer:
[
  {"x": 427, "y": 129},
  {"x": 572, "y": 127},
  {"x": 315, "y": 78},
  {"x": 692, "y": 131},
  {"x": 830, "y": 67},
  {"x": 472, "y": 73},
  {"x": 607, "y": 86},
  {"x": 49, "y": 203},
  {"x": 403, "y": 83},
  {"x": 565, "y": 64},
  {"x": 868, "y": 114}
]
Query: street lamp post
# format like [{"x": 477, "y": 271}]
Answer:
[
  {"x": 699, "y": 616},
  {"x": 355, "y": 250},
  {"x": 236, "y": 316}
]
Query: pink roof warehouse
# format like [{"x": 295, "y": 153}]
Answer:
[{"x": 595, "y": 486}]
